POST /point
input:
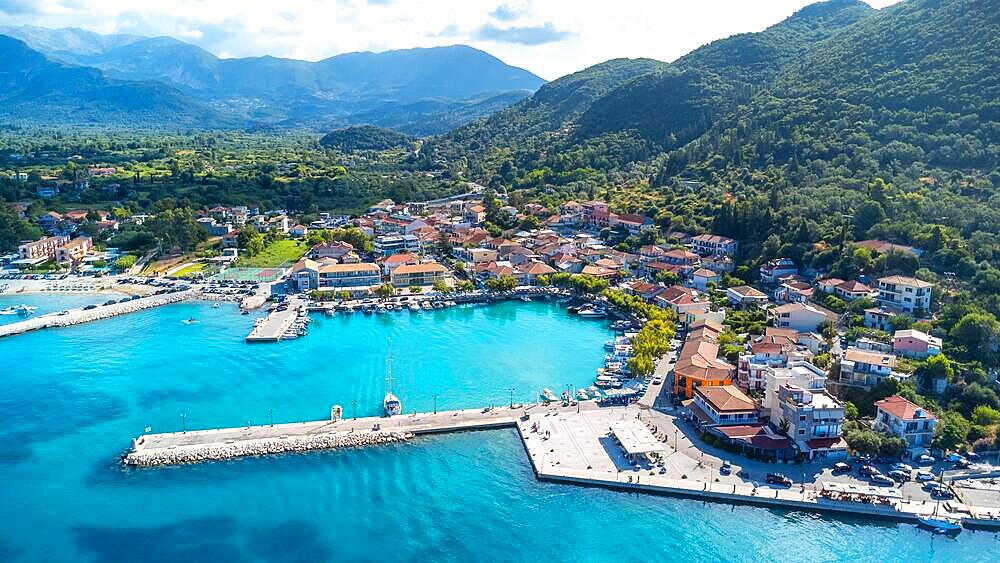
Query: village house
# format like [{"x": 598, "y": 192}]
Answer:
[
  {"x": 906, "y": 294},
  {"x": 698, "y": 364},
  {"x": 744, "y": 295},
  {"x": 777, "y": 268},
  {"x": 710, "y": 245},
  {"x": 407, "y": 275},
  {"x": 815, "y": 420},
  {"x": 905, "y": 419},
  {"x": 915, "y": 344},
  {"x": 391, "y": 244},
  {"x": 393, "y": 261},
  {"x": 701, "y": 277},
  {"x": 336, "y": 250},
  {"x": 879, "y": 319},
  {"x": 42, "y": 248},
  {"x": 722, "y": 405},
  {"x": 866, "y": 367},
  {"x": 798, "y": 316},
  {"x": 74, "y": 251},
  {"x": 596, "y": 214}
]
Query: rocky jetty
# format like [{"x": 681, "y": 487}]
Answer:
[{"x": 139, "y": 457}]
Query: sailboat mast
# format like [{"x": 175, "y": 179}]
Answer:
[{"x": 388, "y": 365}]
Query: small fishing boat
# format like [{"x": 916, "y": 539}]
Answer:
[
  {"x": 426, "y": 305},
  {"x": 414, "y": 307},
  {"x": 526, "y": 299},
  {"x": 190, "y": 321},
  {"x": 8, "y": 311}
]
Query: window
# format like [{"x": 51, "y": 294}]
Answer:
[
  {"x": 801, "y": 431},
  {"x": 802, "y": 417}
]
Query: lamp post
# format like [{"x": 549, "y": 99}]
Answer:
[
  {"x": 183, "y": 423},
  {"x": 675, "y": 439},
  {"x": 435, "y": 403},
  {"x": 354, "y": 404},
  {"x": 270, "y": 415},
  {"x": 512, "y": 389}
]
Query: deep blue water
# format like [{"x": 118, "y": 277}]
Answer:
[{"x": 71, "y": 399}]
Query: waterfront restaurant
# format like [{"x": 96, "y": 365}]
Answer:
[{"x": 636, "y": 440}]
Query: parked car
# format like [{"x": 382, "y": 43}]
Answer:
[
  {"x": 932, "y": 486},
  {"x": 953, "y": 457},
  {"x": 899, "y": 476},
  {"x": 942, "y": 494},
  {"x": 901, "y": 467},
  {"x": 867, "y": 470},
  {"x": 879, "y": 479},
  {"x": 841, "y": 467},
  {"x": 963, "y": 464},
  {"x": 726, "y": 468},
  {"x": 924, "y": 476},
  {"x": 89, "y": 307},
  {"x": 778, "y": 479},
  {"x": 925, "y": 459}
]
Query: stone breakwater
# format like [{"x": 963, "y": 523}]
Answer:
[
  {"x": 79, "y": 316},
  {"x": 267, "y": 446}
]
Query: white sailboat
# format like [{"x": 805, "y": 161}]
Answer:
[{"x": 391, "y": 404}]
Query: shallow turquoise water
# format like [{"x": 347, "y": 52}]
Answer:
[{"x": 71, "y": 398}]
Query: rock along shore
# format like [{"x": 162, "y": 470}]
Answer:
[{"x": 266, "y": 446}]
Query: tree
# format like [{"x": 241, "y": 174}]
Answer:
[
  {"x": 784, "y": 426},
  {"x": 641, "y": 365},
  {"x": 952, "y": 430},
  {"x": 250, "y": 241},
  {"x": 385, "y": 290},
  {"x": 891, "y": 446},
  {"x": 441, "y": 287},
  {"x": 667, "y": 277},
  {"x": 936, "y": 367},
  {"x": 866, "y": 442},
  {"x": 869, "y": 214},
  {"x": 464, "y": 285},
  {"x": 976, "y": 335},
  {"x": 501, "y": 283},
  {"x": 985, "y": 415},
  {"x": 14, "y": 230},
  {"x": 355, "y": 237},
  {"x": 125, "y": 262},
  {"x": 415, "y": 289},
  {"x": 850, "y": 411},
  {"x": 176, "y": 229}
]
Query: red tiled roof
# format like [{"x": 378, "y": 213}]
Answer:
[{"x": 902, "y": 408}]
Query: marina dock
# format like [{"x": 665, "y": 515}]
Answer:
[
  {"x": 277, "y": 324},
  {"x": 80, "y": 315}
]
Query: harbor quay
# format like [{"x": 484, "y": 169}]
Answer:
[
  {"x": 619, "y": 448},
  {"x": 614, "y": 448}
]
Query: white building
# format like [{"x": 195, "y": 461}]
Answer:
[
  {"x": 904, "y": 294},
  {"x": 798, "y": 316}
]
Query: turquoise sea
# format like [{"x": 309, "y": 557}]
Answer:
[{"x": 70, "y": 399}]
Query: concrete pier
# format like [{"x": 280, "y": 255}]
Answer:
[
  {"x": 277, "y": 323},
  {"x": 80, "y": 316},
  {"x": 227, "y": 443}
]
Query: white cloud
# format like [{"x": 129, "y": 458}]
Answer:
[{"x": 548, "y": 37}]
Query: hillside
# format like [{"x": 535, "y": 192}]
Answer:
[
  {"x": 442, "y": 85},
  {"x": 622, "y": 111},
  {"x": 365, "y": 138}
]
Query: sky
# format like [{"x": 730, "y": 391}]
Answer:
[{"x": 548, "y": 37}]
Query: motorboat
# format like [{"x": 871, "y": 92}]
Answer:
[
  {"x": 414, "y": 307},
  {"x": 582, "y": 394},
  {"x": 525, "y": 298},
  {"x": 426, "y": 305},
  {"x": 941, "y": 525},
  {"x": 190, "y": 321},
  {"x": 391, "y": 403},
  {"x": 592, "y": 313},
  {"x": 548, "y": 395}
]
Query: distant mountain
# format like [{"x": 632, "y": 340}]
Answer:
[
  {"x": 36, "y": 89},
  {"x": 291, "y": 92},
  {"x": 643, "y": 107}
]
